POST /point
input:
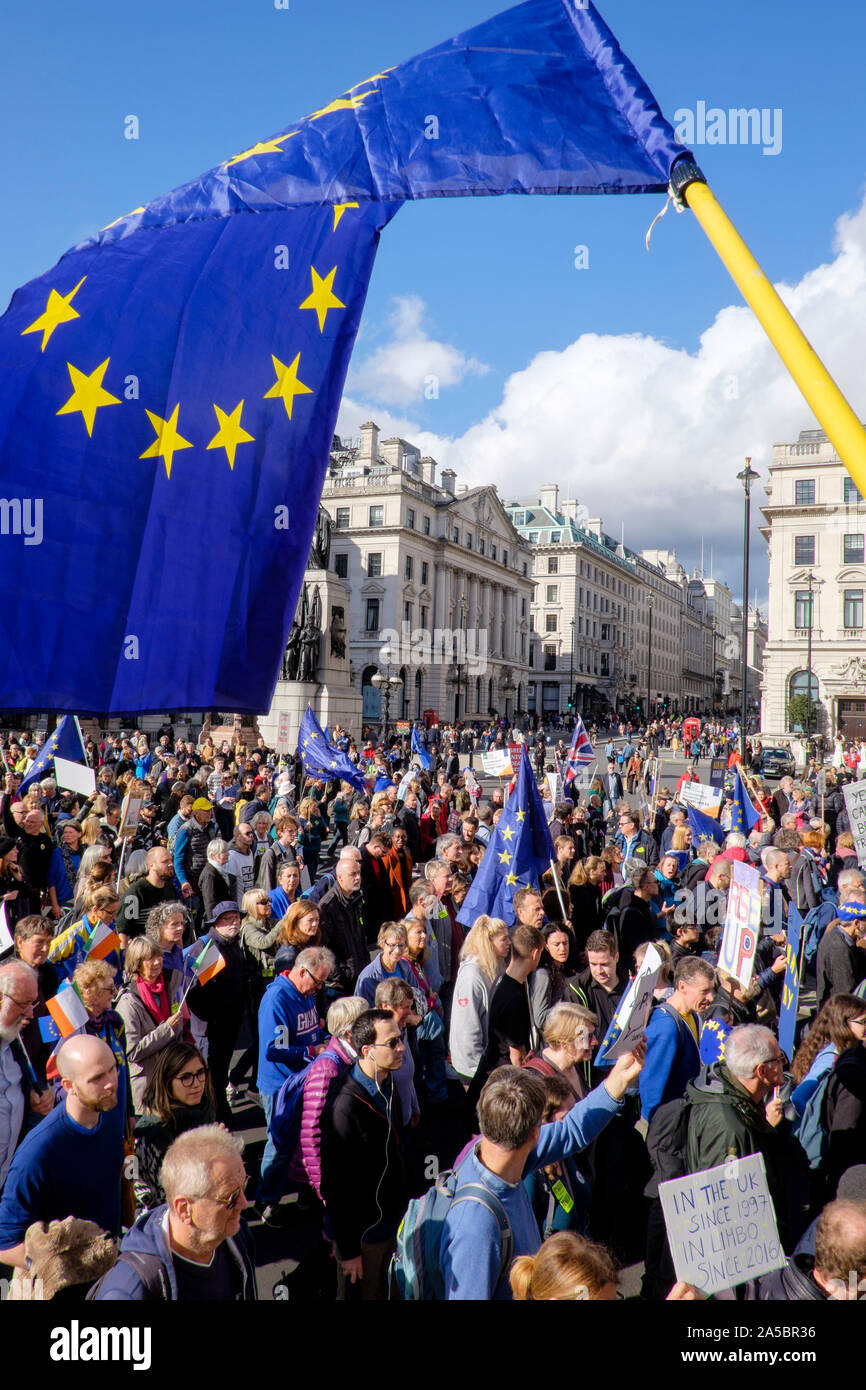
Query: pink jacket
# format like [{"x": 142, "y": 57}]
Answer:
[{"x": 307, "y": 1159}]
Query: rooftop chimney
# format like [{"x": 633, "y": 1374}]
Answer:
[
  {"x": 369, "y": 450},
  {"x": 428, "y": 470},
  {"x": 549, "y": 497},
  {"x": 568, "y": 510},
  {"x": 446, "y": 478}
]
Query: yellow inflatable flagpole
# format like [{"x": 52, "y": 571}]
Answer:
[{"x": 830, "y": 407}]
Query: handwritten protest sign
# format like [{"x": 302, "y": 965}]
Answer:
[
  {"x": 700, "y": 795},
  {"x": 629, "y": 1023},
  {"x": 742, "y": 924},
  {"x": 721, "y": 1225},
  {"x": 855, "y": 805}
]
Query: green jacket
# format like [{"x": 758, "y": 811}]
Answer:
[{"x": 725, "y": 1122}]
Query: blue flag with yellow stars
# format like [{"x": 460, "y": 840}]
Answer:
[
  {"x": 320, "y": 758},
  {"x": 744, "y": 815},
  {"x": 65, "y": 742},
  {"x": 170, "y": 388},
  {"x": 714, "y": 1032},
  {"x": 419, "y": 751},
  {"x": 519, "y": 852},
  {"x": 704, "y": 827}
]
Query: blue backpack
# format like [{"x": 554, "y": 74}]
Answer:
[
  {"x": 811, "y": 1132},
  {"x": 816, "y": 922},
  {"x": 285, "y": 1126},
  {"x": 417, "y": 1265}
]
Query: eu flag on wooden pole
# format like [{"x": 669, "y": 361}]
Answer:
[{"x": 188, "y": 359}]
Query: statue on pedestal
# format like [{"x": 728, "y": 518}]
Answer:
[
  {"x": 320, "y": 550},
  {"x": 310, "y": 640},
  {"x": 292, "y": 655}
]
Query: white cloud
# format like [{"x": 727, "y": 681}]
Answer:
[
  {"x": 412, "y": 364},
  {"x": 642, "y": 433}
]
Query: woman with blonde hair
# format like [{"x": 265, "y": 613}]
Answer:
[
  {"x": 568, "y": 1268},
  {"x": 569, "y": 1033},
  {"x": 483, "y": 958}
]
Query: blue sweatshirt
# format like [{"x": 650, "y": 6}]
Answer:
[
  {"x": 288, "y": 1028},
  {"x": 673, "y": 1059},
  {"x": 470, "y": 1250},
  {"x": 60, "y": 1170}
]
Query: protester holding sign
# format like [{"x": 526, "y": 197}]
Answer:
[{"x": 673, "y": 1033}]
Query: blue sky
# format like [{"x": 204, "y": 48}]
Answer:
[{"x": 489, "y": 284}]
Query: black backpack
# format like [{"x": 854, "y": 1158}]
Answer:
[{"x": 666, "y": 1140}]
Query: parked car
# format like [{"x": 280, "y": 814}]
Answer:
[{"x": 777, "y": 762}]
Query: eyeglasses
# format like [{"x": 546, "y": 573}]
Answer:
[
  {"x": 21, "y": 1003},
  {"x": 317, "y": 982},
  {"x": 229, "y": 1202},
  {"x": 393, "y": 1043},
  {"x": 190, "y": 1078}
]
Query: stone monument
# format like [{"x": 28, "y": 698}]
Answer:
[{"x": 316, "y": 668}]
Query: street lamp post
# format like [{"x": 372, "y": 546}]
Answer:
[
  {"x": 571, "y": 673},
  {"x": 809, "y": 663},
  {"x": 461, "y": 603},
  {"x": 388, "y": 686},
  {"x": 746, "y": 476},
  {"x": 649, "y": 661}
]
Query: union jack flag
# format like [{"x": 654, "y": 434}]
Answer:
[{"x": 580, "y": 753}]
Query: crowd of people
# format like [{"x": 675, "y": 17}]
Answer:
[{"x": 257, "y": 937}]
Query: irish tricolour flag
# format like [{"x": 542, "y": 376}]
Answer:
[
  {"x": 68, "y": 1011},
  {"x": 208, "y": 962},
  {"x": 102, "y": 941}
]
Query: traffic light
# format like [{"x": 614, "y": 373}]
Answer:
[{"x": 570, "y": 703}]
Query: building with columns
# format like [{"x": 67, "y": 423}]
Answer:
[
  {"x": 439, "y": 583},
  {"x": 816, "y": 522}
]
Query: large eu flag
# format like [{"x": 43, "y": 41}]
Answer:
[
  {"x": 519, "y": 852},
  {"x": 170, "y": 388},
  {"x": 320, "y": 758}
]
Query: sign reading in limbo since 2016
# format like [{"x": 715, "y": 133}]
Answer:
[{"x": 721, "y": 1225}]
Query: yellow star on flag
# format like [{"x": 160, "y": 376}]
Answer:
[
  {"x": 521, "y": 815},
  {"x": 58, "y": 309},
  {"x": 322, "y": 298},
  {"x": 287, "y": 385},
  {"x": 306, "y": 741},
  {"x": 505, "y": 857},
  {"x": 274, "y": 146},
  {"x": 168, "y": 441},
  {"x": 374, "y": 78},
  {"x": 230, "y": 434},
  {"x": 120, "y": 219},
  {"x": 511, "y": 879},
  {"x": 507, "y": 833},
  {"x": 339, "y": 209},
  {"x": 347, "y": 103},
  {"x": 87, "y": 393}
]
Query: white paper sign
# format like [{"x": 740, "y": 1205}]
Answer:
[
  {"x": 721, "y": 1225},
  {"x": 553, "y": 783},
  {"x": 700, "y": 795},
  {"x": 6, "y": 941},
  {"x": 74, "y": 777},
  {"x": 633, "y": 1012},
  {"x": 855, "y": 805},
  {"x": 497, "y": 763},
  {"x": 283, "y": 725},
  {"x": 742, "y": 924}
]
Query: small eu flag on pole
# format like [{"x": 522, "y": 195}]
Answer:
[
  {"x": 321, "y": 759},
  {"x": 65, "y": 742},
  {"x": 519, "y": 852}
]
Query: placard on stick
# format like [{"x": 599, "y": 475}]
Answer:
[
  {"x": 721, "y": 1225},
  {"x": 855, "y": 805},
  {"x": 742, "y": 924},
  {"x": 74, "y": 777}
]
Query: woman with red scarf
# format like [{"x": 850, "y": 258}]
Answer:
[
  {"x": 433, "y": 823},
  {"x": 146, "y": 1010}
]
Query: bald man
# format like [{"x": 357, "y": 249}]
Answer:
[{"x": 71, "y": 1163}]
